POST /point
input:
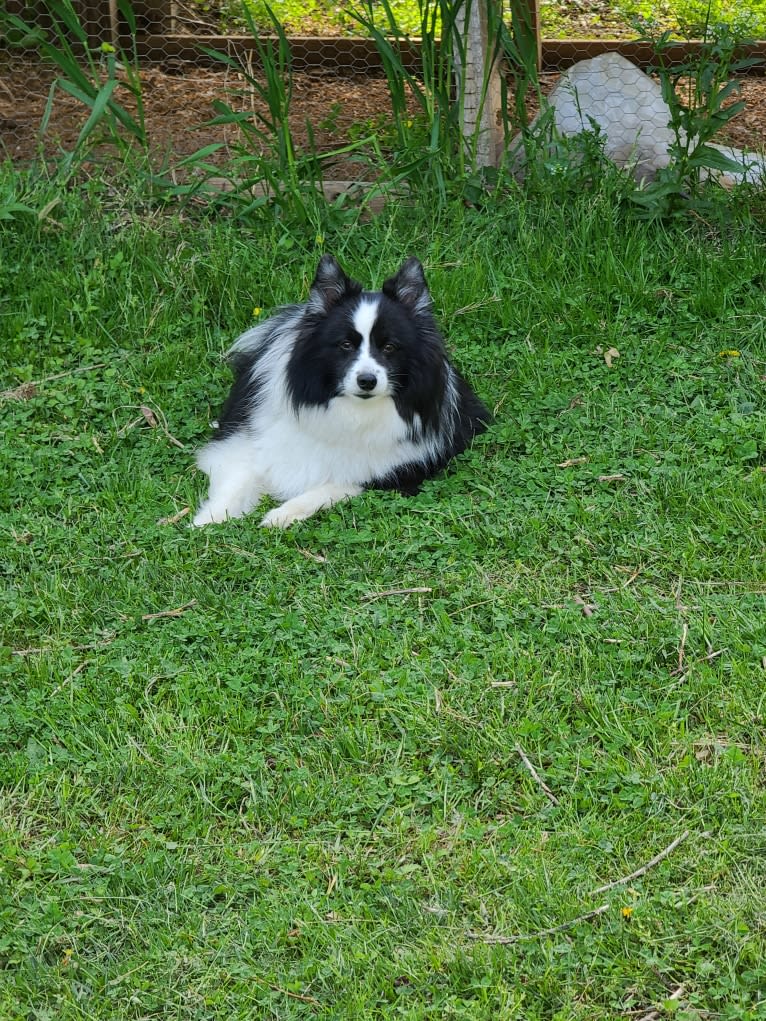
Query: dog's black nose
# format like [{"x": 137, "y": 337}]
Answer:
[{"x": 366, "y": 381}]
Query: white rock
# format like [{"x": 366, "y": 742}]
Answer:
[{"x": 633, "y": 118}]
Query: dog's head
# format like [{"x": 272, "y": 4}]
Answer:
[{"x": 364, "y": 345}]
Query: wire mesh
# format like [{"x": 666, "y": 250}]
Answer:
[{"x": 339, "y": 90}]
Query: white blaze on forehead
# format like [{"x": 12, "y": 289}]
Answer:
[{"x": 363, "y": 320}]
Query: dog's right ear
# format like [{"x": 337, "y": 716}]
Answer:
[
  {"x": 330, "y": 286},
  {"x": 409, "y": 287}
]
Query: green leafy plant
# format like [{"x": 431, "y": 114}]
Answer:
[
  {"x": 701, "y": 95},
  {"x": 558, "y": 21},
  {"x": 428, "y": 99},
  {"x": 12, "y": 204},
  {"x": 315, "y": 17},
  {"x": 266, "y": 167},
  {"x": 562, "y": 166}
]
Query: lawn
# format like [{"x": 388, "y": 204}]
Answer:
[{"x": 381, "y": 764}]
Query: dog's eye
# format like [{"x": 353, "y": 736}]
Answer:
[
  {"x": 389, "y": 348},
  {"x": 346, "y": 345}
]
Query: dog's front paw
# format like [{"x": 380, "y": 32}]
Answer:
[
  {"x": 210, "y": 514},
  {"x": 281, "y": 517},
  {"x": 201, "y": 518},
  {"x": 308, "y": 503}
]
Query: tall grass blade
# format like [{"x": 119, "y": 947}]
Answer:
[
  {"x": 66, "y": 46},
  {"x": 98, "y": 107}
]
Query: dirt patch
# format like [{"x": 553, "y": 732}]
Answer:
[{"x": 178, "y": 102}]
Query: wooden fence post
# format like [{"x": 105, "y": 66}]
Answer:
[
  {"x": 532, "y": 16},
  {"x": 478, "y": 72}
]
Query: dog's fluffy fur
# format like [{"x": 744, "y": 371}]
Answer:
[{"x": 352, "y": 390}]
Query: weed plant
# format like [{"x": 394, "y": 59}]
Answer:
[
  {"x": 266, "y": 167},
  {"x": 430, "y": 150},
  {"x": 248, "y": 774},
  {"x": 700, "y": 93}
]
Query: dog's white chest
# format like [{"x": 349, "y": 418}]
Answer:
[{"x": 350, "y": 441}]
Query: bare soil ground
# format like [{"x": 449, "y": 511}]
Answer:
[{"x": 178, "y": 103}]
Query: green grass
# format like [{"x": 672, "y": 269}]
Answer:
[{"x": 301, "y": 797}]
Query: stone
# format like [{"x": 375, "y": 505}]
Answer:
[{"x": 633, "y": 118}]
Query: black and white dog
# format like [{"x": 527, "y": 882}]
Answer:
[{"x": 352, "y": 390}]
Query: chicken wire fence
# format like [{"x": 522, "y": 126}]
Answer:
[{"x": 338, "y": 80}]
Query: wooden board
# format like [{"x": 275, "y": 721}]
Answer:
[{"x": 359, "y": 56}]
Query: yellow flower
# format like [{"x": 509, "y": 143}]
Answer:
[
  {"x": 257, "y": 311},
  {"x": 319, "y": 239},
  {"x": 728, "y": 353},
  {"x": 626, "y": 913}
]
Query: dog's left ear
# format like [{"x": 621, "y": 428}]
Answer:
[
  {"x": 330, "y": 285},
  {"x": 409, "y": 287}
]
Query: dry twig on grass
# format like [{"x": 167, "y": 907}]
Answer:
[
  {"x": 644, "y": 868},
  {"x": 177, "y": 612},
  {"x": 67, "y": 680},
  {"x": 536, "y": 776},
  {"x": 524, "y": 937},
  {"x": 682, "y": 646},
  {"x": 27, "y": 390},
  {"x": 371, "y": 596},
  {"x": 679, "y": 671},
  {"x": 174, "y": 518},
  {"x": 655, "y": 1015},
  {"x": 288, "y": 992}
]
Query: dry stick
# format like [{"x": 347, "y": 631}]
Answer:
[
  {"x": 632, "y": 578},
  {"x": 316, "y": 557},
  {"x": 171, "y": 437},
  {"x": 654, "y": 1015},
  {"x": 703, "y": 659},
  {"x": 38, "y": 650},
  {"x": 153, "y": 421},
  {"x": 71, "y": 677},
  {"x": 394, "y": 592},
  {"x": 58, "y": 375},
  {"x": 536, "y": 776},
  {"x": 644, "y": 868},
  {"x": 504, "y": 940},
  {"x": 174, "y": 518},
  {"x": 293, "y": 996},
  {"x": 169, "y": 613},
  {"x": 69, "y": 372},
  {"x": 684, "y": 633}
]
